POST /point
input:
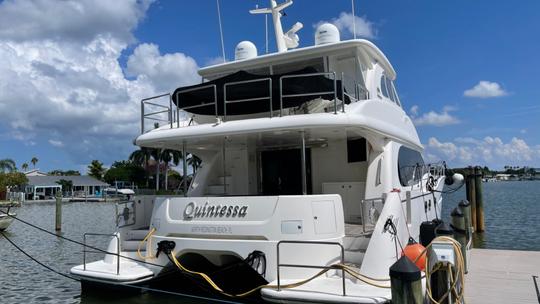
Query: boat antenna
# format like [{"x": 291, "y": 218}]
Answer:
[
  {"x": 221, "y": 32},
  {"x": 266, "y": 31},
  {"x": 353, "y": 20},
  {"x": 284, "y": 41}
]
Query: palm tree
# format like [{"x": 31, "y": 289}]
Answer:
[
  {"x": 194, "y": 162},
  {"x": 141, "y": 157},
  {"x": 95, "y": 169},
  {"x": 24, "y": 167},
  {"x": 167, "y": 156},
  {"x": 7, "y": 164},
  {"x": 34, "y": 161}
]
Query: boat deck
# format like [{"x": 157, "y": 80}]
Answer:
[{"x": 502, "y": 276}]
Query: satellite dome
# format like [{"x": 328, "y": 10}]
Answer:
[
  {"x": 245, "y": 50},
  {"x": 326, "y": 33}
]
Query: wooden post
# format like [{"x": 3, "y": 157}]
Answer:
[
  {"x": 406, "y": 282},
  {"x": 58, "y": 221},
  {"x": 479, "y": 200},
  {"x": 471, "y": 195}
]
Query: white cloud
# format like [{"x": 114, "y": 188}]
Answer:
[
  {"x": 485, "y": 89},
  {"x": 56, "y": 143},
  {"x": 491, "y": 151},
  {"x": 346, "y": 24},
  {"x": 81, "y": 20},
  {"x": 414, "y": 110},
  {"x": 432, "y": 118},
  {"x": 166, "y": 72},
  {"x": 214, "y": 61},
  {"x": 61, "y": 78}
]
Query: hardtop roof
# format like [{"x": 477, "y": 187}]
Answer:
[{"x": 367, "y": 49}]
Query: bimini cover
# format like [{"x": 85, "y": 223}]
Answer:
[{"x": 252, "y": 97}]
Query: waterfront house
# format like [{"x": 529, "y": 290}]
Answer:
[{"x": 46, "y": 187}]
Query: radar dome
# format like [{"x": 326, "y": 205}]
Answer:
[
  {"x": 245, "y": 50},
  {"x": 326, "y": 33}
]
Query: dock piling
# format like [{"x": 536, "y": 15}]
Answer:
[
  {"x": 58, "y": 220},
  {"x": 471, "y": 194},
  {"x": 480, "y": 227},
  {"x": 406, "y": 282}
]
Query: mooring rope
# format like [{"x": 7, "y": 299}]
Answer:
[
  {"x": 114, "y": 283},
  {"x": 80, "y": 243}
]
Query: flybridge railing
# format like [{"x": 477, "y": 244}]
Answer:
[
  {"x": 159, "y": 113},
  {"x": 236, "y": 83},
  {"x": 318, "y": 93},
  {"x": 169, "y": 112}
]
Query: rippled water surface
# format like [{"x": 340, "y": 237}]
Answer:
[
  {"x": 512, "y": 215},
  {"x": 24, "y": 281},
  {"x": 512, "y": 212}
]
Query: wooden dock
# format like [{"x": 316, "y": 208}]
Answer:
[{"x": 502, "y": 276}]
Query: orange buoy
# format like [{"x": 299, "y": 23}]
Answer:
[{"x": 415, "y": 252}]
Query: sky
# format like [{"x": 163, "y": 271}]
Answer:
[{"x": 72, "y": 73}]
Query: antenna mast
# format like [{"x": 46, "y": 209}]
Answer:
[
  {"x": 287, "y": 40},
  {"x": 353, "y": 20},
  {"x": 221, "y": 32}
]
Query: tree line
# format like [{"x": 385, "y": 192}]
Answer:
[{"x": 146, "y": 168}]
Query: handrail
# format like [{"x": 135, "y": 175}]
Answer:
[
  {"x": 173, "y": 109},
  {"x": 168, "y": 110},
  {"x": 311, "y": 266},
  {"x": 225, "y": 101},
  {"x": 102, "y": 234},
  {"x": 307, "y": 94},
  {"x": 178, "y": 107}
]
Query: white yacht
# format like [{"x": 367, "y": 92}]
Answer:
[{"x": 310, "y": 166}]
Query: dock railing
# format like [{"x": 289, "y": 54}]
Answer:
[{"x": 279, "y": 265}]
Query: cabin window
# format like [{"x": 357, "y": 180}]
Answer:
[
  {"x": 356, "y": 150},
  {"x": 410, "y": 164},
  {"x": 390, "y": 89},
  {"x": 378, "y": 176},
  {"x": 383, "y": 86},
  {"x": 395, "y": 94}
]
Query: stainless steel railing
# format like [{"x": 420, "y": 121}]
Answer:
[
  {"x": 156, "y": 115},
  {"x": 279, "y": 265},
  {"x": 171, "y": 111},
  {"x": 93, "y": 251},
  {"x": 215, "y": 102},
  {"x": 225, "y": 101},
  {"x": 318, "y": 93}
]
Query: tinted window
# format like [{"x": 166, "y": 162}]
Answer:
[
  {"x": 410, "y": 163},
  {"x": 383, "y": 86},
  {"x": 356, "y": 150}
]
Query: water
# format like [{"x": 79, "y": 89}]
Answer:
[
  {"x": 512, "y": 210},
  {"x": 24, "y": 281},
  {"x": 512, "y": 213}
]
